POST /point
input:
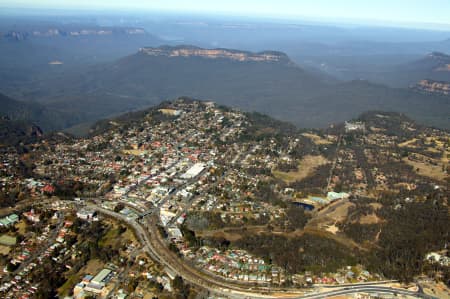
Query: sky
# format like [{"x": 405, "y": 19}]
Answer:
[{"x": 392, "y": 11}]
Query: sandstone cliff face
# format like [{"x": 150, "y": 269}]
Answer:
[
  {"x": 55, "y": 32},
  {"x": 441, "y": 61},
  {"x": 434, "y": 87},
  {"x": 445, "y": 68},
  {"x": 215, "y": 54}
]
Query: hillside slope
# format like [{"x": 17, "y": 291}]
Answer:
[
  {"x": 266, "y": 82},
  {"x": 47, "y": 118}
]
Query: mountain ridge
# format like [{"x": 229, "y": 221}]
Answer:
[
  {"x": 284, "y": 91},
  {"x": 216, "y": 53}
]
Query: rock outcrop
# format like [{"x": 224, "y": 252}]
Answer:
[
  {"x": 436, "y": 87},
  {"x": 190, "y": 51}
]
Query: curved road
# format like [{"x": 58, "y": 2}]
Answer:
[{"x": 157, "y": 250}]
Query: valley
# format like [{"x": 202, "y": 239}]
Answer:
[{"x": 275, "y": 149}]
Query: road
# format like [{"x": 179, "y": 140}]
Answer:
[
  {"x": 155, "y": 246},
  {"x": 366, "y": 289},
  {"x": 42, "y": 247},
  {"x": 158, "y": 251},
  {"x": 333, "y": 166}
]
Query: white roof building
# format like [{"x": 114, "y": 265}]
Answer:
[{"x": 194, "y": 171}]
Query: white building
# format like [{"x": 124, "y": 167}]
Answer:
[
  {"x": 89, "y": 215},
  {"x": 194, "y": 171}
]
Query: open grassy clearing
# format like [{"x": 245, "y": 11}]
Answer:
[
  {"x": 427, "y": 169},
  {"x": 338, "y": 237},
  {"x": 133, "y": 152},
  {"x": 113, "y": 235},
  {"x": 408, "y": 143},
  {"x": 330, "y": 215},
  {"x": 92, "y": 267},
  {"x": 306, "y": 167},
  {"x": 370, "y": 219},
  {"x": 4, "y": 250},
  {"x": 317, "y": 139},
  {"x": 21, "y": 227},
  {"x": 65, "y": 289}
]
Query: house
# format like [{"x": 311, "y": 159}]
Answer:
[
  {"x": 32, "y": 216},
  {"x": 332, "y": 196},
  {"x": 354, "y": 126},
  {"x": 175, "y": 233},
  {"x": 48, "y": 189},
  {"x": 435, "y": 257},
  {"x": 89, "y": 215}
]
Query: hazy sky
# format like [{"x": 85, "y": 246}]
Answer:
[{"x": 397, "y": 11}]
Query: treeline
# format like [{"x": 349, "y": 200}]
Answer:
[
  {"x": 296, "y": 255},
  {"x": 410, "y": 232},
  {"x": 406, "y": 233}
]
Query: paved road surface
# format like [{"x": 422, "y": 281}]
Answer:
[{"x": 158, "y": 250}]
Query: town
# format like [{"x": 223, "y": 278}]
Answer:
[{"x": 206, "y": 184}]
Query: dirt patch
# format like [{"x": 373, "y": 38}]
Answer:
[
  {"x": 92, "y": 267},
  {"x": 306, "y": 167},
  {"x": 369, "y": 219},
  {"x": 340, "y": 238},
  {"x": 408, "y": 143},
  {"x": 21, "y": 227},
  {"x": 4, "y": 250},
  {"x": 317, "y": 139},
  {"x": 332, "y": 229},
  {"x": 334, "y": 213},
  {"x": 133, "y": 152},
  {"x": 376, "y": 205},
  {"x": 438, "y": 290}
]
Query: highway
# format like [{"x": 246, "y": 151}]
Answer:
[
  {"x": 366, "y": 289},
  {"x": 159, "y": 252},
  {"x": 155, "y": 246}
]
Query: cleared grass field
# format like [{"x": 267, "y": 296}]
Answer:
[
  {"x": 306, "y": 167},
  {"x": 134, "y": 152},
  {"x": 317, "y": 139},
  {"x": 4, "y": 250},
  {"x": 408, "y": 142},
  {"x": 21, "y": 227},
  {"x": 428, "y": 170}
]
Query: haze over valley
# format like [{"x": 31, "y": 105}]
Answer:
[{"x": 244, "y": 149}]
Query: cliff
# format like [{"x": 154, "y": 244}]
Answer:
[
  {"x": 431, "y": 86},
  {"x": 242, "y": 56}
]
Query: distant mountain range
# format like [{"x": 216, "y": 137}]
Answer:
[
  {"x": 435, "y": 66},
  {"x": 68, "y": 31},
  {"x": 267, "y": 82},
  {"x": 40, "y": 45}
]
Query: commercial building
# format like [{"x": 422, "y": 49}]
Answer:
[
  {"x": 9, "y": 220},
  {"x": 194, "y": 171}
]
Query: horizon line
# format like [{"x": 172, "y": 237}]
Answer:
[{"x": 335, "y": 21}]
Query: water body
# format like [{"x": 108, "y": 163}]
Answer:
[{"x": 305, "y": 206}]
